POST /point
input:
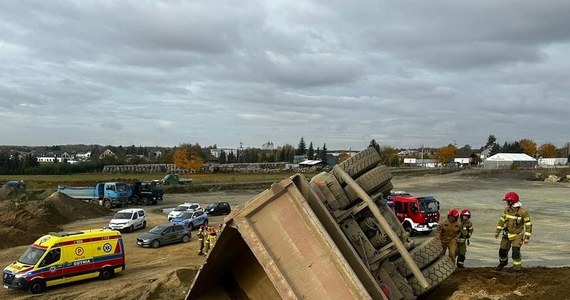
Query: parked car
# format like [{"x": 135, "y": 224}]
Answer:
[
  {"x": 164, "y": 234},
  {"x": 183, "y": 208},
  {"x": 128, "y": 220},
  {"x": 218, "y": 208},
  {"x": 191, "y": 219}
]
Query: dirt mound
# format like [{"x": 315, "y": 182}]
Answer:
[
  {"x": 9, "y": 193},
  {"x": 486, "y": 283},
  {"x": 20, "y": 227},
  {"x": 60, "y": 209},
  {"x": 24, "y": 219},
  {"x": 173, "y": 285}
]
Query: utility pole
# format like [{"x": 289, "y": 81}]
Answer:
[{"x": 423, "y": 155}]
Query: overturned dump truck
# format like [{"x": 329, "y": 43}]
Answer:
[{"x": 331, "y": 238}]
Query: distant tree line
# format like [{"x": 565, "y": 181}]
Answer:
[{"x": 194, "y": 156}]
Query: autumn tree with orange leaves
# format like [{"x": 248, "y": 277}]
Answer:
[
  {"x": 446, "y": 154},
  {"x": 185, "y": 158},
  {"x": 528, "y": 146},
  {"x": 547, "y": 150},
  {"x": 342, "y": 157}
]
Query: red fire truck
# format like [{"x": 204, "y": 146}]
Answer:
[{"x": 417, "y": 214}]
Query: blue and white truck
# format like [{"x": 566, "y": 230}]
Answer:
[{"x": 107, "y": 194}]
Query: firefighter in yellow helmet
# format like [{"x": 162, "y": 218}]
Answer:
[
  {"x": 463, "y": 239},
  {"x": 448, "y": 231},
  {"x": 516, "y": 229}
]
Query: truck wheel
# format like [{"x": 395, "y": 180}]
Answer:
[
  {"x": 408, "y": 228},
  {"x": 145, "y": 201},
  {"x": 370, "y": 182},
  {"x": 359, "y": 163},
  {"x": 435, "y": 274},
  {"x": 106, "y": 273},
  {"x": 144, "y": 225},
  {"x": 185, "y": 238},
  {"x": 134, "y": 200},
  {"x": 37, "y": 286},
  {"x": 332, "y": 190},
  {"x": 107, "y": 204},
  {"x": 424, "y": 254},
  {"x": 155, "y": 244}
]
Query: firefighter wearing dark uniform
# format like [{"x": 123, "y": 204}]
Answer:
[
  {"x": 516, "y": 230},
  {"x": 201, "y": 236},
  {"x": 463, "y": 239},
  {"x": 448, "y": 231}
]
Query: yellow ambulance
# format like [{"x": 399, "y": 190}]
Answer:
[{"x": 62, "y": 257}]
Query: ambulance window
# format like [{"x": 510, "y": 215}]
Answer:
[{"x": 52, "y": 256}]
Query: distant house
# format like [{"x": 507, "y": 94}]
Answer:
[
  {"x": 53, "y": 156},
  {"x": 507, "y": 160},
  {"x": 310, "y": 163},
  {"x": 418, "y": 162},
  {"x": 107, "y": 153},
  {"x": 548, "y": 162},
  {"x": 83, "y": 156},
  {"x": 463, "y": 158}
]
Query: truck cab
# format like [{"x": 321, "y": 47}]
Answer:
[
  {"x": 417, "y": 214},
  {"x": 146, "y": 192}
]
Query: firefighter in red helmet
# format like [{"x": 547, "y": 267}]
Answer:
[
  {"x": 463, "y": 239},
  {"x": 448, "y": 231},
  {"x": 516, "y": 229}
]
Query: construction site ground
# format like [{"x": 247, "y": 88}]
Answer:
[{"x": 167, "y": 272}]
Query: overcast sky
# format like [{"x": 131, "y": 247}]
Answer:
[{"x": 405, "y": 73}]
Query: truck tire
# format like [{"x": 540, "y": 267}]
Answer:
[
  {"x": 370, "y": 182},
  {"x": 145, "y": 201},
  {"x": 423, "y": 254},
  {"x": 107, "y": 203},
  {"x": 359, "y": 163},
  {"x": 37, "y": 286},
  {"x": 435, "y": 274},
  {"x": 332, "y": 190}
]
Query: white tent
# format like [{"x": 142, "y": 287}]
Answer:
[{"x": 506, "y": 160}]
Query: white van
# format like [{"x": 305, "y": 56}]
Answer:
[{"x": 128, "y": 220}]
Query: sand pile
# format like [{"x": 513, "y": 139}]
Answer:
[{"x": 24, "y": 219}]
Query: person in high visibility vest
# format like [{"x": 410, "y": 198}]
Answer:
[
  {"x": 516, "y": 229},
  {"x": 448, "y": 231},
  {"x": 463, "y": 239},
  {"x": 201, "y": 236},
  {"x": 213, "y": 236}
]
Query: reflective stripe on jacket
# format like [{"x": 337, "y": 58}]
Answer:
[{"x": 515, "y": 221}]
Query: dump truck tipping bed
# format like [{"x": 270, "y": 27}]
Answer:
[
  {"x": 277, "y": 247},
  {"x": 332, "y": 238}
]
